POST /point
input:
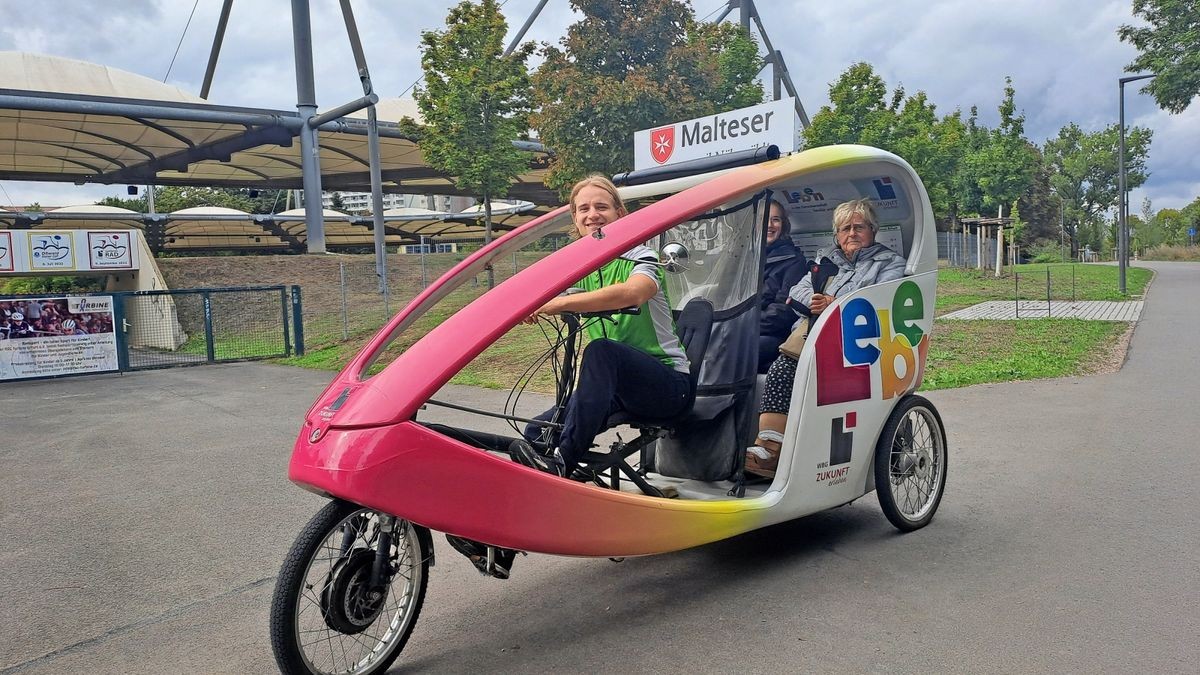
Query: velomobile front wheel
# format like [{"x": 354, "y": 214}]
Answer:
[
  {"x": 328, "y": 615},
  {"x": 910, "y": 464}
]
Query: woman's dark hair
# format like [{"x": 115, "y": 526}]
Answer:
[{"x": 786, "y": 227}]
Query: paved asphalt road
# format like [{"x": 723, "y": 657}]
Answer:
[{"x": 145, "y": 516}]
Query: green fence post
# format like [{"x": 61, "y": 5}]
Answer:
[
  {"x": 1048, "y": 312},
  {"x": 210, "y": 350},
  {"x": 1017, "y": 293},
  {"x": 119, "y": 324},
  {"x": 283, "y": 308},
  {"x": 298, "y": 320}
]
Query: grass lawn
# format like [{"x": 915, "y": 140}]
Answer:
[
  {"x": 230, "y": 346},
  {"x": 960, "y": 288},
  {"x": 962, "y": 352}
]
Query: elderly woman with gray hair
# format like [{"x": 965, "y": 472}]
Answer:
[{"x": 860, "y": 261}]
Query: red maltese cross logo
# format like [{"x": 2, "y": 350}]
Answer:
[{"x": 662, "y": 144}]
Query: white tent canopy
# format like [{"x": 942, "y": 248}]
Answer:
[{"x": 67, "y": 120}]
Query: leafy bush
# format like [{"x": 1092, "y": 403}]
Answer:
[
  {"x": 51, "y": 285},
  {"x": 1046, "y": 251},
  {"x": 1164, "y": 252}
]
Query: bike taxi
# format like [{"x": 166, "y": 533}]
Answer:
[{"x": 356, "y": 576}]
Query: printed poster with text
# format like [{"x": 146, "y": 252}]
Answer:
[{"x": 45, "y": 337}]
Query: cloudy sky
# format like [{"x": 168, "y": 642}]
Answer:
[{"x": 1063, "y": 55}]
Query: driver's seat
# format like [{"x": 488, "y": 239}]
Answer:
[{"x": 694, "y": 328}]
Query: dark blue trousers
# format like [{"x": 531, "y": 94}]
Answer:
[
  {"x": 614, "y": 377},
  {"x": 768, "y": 351}
]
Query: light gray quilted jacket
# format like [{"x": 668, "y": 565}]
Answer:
[{"x": 874, "y": 264}]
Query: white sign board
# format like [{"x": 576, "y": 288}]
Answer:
[
  {"x": 7, "y": 256},
  {"x": 44, "y": 337},
  {"x": 110, "y": 250},
  {"x": 810, "y": 207},
  {"x": 25, "y": 251},
  {"x": 773, "y": 123},
  {"x": 51, "y": 251}
]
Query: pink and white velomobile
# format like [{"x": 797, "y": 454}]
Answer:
[{"x": 358, "y": 572}]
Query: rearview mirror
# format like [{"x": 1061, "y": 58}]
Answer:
[{"x": 675, "y": 257}]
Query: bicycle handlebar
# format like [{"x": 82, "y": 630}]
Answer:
[{"x": 605, "y": 313}]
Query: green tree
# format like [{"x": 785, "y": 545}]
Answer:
[
  {"x": 935, "y": 148},
  {"x": 862, "y": 111},
  {"x": 138, "y": 204},
  {"x": 168, "y": 199},
  {"x": 1017, "y": 231},
  {"x": 858, "y": 111},
  {"x": 1173, "y": 226},
  {"x": 1084, "y": 173},
  {"x": 737, "y": 62},
  {"x": 1190, "y": 215},
  {"x": 630, "y": 65},
  {"x": 1169, "y": 47},
  {"x": 265, "y": 201},
  {"x": 34, "y": 208},
  {"x": 1039, "y": 205},
  {"x": 337, "y": 203},
  {"x": 1156, "y": 228},
  {"x": 1095, "y": 232},
  {"x": 1004, "y": 166},
  {"x": 173, "y": 198},
  {"x": 967, "y": 195},
  {"x": 475, "y": 103}
]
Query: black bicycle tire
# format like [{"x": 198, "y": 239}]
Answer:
[
  {"x": 883, "y": 449},
  {"x": 292, "y": 574}
]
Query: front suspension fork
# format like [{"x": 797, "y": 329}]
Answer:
[{"x": 381, "y": 571}]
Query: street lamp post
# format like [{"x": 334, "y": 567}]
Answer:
[{"x": 1123, "y": 198}]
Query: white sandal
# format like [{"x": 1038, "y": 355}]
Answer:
[{"x": 762, "y": 460}]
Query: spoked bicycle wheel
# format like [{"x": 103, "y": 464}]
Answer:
[
  {"x": 327, "y": 615},
  {"x": 910, "y": 464}
]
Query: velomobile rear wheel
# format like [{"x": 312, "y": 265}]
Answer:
[
  {"x": 910, "y": 464},
  {"x": 326, "y": 616}
]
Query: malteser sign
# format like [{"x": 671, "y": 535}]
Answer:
[{"x": 758, "y": 126}]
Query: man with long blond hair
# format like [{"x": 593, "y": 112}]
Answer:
[{"x": 634, "y": 362}]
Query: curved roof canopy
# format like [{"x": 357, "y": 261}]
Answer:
[
  {"x": 217, "y": 228},
  {"x": 67, "y": 120},
  {"x": 80, "y": 216}
]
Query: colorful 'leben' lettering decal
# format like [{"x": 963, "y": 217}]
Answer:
[{"x": 846, "y": 349}]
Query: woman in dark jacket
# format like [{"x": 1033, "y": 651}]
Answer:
[{"x": 784, "y": 267}]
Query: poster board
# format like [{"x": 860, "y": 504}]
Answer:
[{"x": 52, "y": 336}]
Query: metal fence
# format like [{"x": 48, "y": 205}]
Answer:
[
  {"x": 60, "y": 334},
  {"x": 1035, "y": 290},
  {"x": 206, "y": 325},
  {"x": 349, "y": 303},
  {"x": 963, "y": 250}
]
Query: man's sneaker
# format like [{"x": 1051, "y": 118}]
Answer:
[
  {"x": 524, "y": 453},
  {"x": 477, "y": 553}
]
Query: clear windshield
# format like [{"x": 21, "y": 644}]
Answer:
[
  {"x": 723, "y": 257},
  {"x": 466, "y": 282},
  {"x": 723, "y": 267}
]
